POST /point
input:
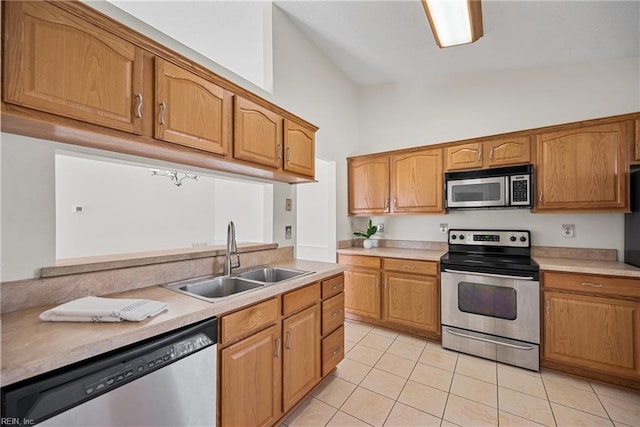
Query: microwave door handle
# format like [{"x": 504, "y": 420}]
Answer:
[{"x": 500, "y": 276}]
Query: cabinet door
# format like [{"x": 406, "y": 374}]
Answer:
[
  {"x": 301, "y": 355},
  {"x": 257, "y": 134},
  {"x": 362, "y": 292},
  {"x": 592, "y": 332},
  {"x": 416, "y": 181},
  {"x": 299, "y": 148},
  {"x": 191, "y": 111},
  {"x": 636, "y": 155},
  {"x": 507, "y": 151},
  {"x": 411, "y": 300},
  {"x": 369, "y": 185},
  {"x": 582, "y": 168},
  {"x": 250, "y": 383},
  {"x": 58, "y": 63},
  {"x": 464, "y": 156}
]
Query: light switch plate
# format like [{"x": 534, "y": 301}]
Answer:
[
  {"x": 287, "y": 232},
  {"x": 288, "y": 205}
]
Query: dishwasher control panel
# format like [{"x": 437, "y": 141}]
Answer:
[{"x": 113, "y": 377}]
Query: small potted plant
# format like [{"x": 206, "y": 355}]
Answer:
[{"x": 371, "y": 230}]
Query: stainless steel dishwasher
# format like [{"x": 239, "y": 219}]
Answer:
[{"x": 168, "y": 380}]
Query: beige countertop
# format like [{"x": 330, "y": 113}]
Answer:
[
  {"x": 571, "y": 265},
  {"x": 589, "y": 266},
  {"x": 31, "y": 347},
  {"x": 419, "y": 254}
]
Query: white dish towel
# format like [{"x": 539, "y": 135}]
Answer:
[{"x": 96, "y": 309}]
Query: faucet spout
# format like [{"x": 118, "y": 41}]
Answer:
[{"x": 232, "y": 249}]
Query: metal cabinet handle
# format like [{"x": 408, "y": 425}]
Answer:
[
  {"x": 377, "y": 282},
  {"x": 335, "y": 313},
  {"x": 163, "y": 110},
  {"x": 410, "y": 267},
  {"x": 278, "y": 341},
  {"x": 288, "y": 154},
  {"x": 546, "y": 307},
  {"x": 289, "y": 339},
  {"x": 279, "y": 151},
  {"x": 491, "y": 153},
  {"x": 336, "y": 350},
  {"x": 593, "y": 285},
  {"x": 540, "y": 198},
  {"x": 139, "y": 106},
  {"x": 386, "y": 204},
  {"x": 479, "y": 155},
  {"x": 395, "y": 202}
]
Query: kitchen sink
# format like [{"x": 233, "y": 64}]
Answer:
[
  {"x": 213, "y": 289},
  {"x": 272, "y": 274}
]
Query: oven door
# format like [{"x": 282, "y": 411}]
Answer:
[
  {"x": 495, "y": 304},
  {"x": 477, "y": 192}
]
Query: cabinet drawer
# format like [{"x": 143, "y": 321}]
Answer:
[
  {"x": 411, "y": 266},
  {"x": 359, "y": 260},
  {"x": 301, "y": 298},
  {"x": 250, "y": 319},
  {"x": 603, "y": 285},
  {"x": 332, "y": 313},
  {"x": 332, "y": 350},
  {"x": 332, "y": 286}
]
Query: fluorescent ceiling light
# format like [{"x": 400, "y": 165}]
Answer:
[{"x": 454, "y": 22}]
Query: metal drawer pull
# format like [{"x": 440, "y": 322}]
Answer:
[
  {"x": 335, "y": 313},
  {"x": 501, "y": 276},
  {"x": 139, "y": 106},
  {"x": 339, "y": 285},
  {"x": 336, "y": 351},
  {"x": 593, "y": 285},
  {"x": 491, "y": 153},
  {"x": 411, "y": 267},
  {"x": 289, "y": 339},
  {"x": 519, "y": 347},
  {"x": 163, "y": 109},
  {"x": 278, "y": 347},
  {"x": 479, "y": 155}
]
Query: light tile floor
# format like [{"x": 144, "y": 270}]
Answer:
[{"x": 392, "y": 379}]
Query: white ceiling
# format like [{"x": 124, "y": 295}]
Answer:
[{"x": 389, "y": 41}]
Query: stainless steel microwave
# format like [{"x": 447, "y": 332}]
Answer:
[{"x": 508, "y": 187}]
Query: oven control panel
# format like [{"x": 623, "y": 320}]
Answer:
[{"x": 510, "y": 238}]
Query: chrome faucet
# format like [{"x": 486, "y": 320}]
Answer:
[{"x": 232, "y": 249}]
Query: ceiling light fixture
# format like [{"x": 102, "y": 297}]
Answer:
[
  {"x": 173, "y": 175},
  {"x": 454, "y": 22}
]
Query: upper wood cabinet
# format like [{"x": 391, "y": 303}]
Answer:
[
  {"x": 583, "y": 168},
  {"x": 58, "y": 63},
  {"x": 369, "y": 185},
  {"x": 416, "y": 182},
  {"x": 190, "y": 110},
  {"x": 492, "y": 153},
  {"x": 257, "y": 134},
  {"x": 299, "y": 149}
]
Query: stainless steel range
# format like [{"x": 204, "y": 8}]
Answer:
[{"x": 491, "y": 296}]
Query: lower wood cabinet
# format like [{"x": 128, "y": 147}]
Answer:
[
  {"x": 250, "y": 392},
  {"x": 301, "y": 355},
  {"x": 592, "y": 329},
  {"x": 274, "y": 352},
  {"x": 397, "y": 293}
]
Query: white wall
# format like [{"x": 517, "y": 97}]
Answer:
[
  {"x": 209, "y": 26},
  {"x": 418, "y": 113},
  {"x": 126, "y": 209},
  {"x": 28, "y": 206}
]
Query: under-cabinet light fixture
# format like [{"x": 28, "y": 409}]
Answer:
[
  {"x": 174, "y": 176},
  {"x": 454, "y": 22}
]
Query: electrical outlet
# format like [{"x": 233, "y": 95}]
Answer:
[
  {"x": 444, "y": 228},
  {"x": 288, "y": 205},
  {"x": 77, "y": 209},
  {"x": 380, "y": 228},
  {"x": 568, "y": 230},
  {"x": 287, "y": 232}
]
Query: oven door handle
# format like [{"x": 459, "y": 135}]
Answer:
[
  {"x": 500, "y": 276},
  {"x": 519, "y": 347}
]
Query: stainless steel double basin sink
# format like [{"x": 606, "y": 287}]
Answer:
[{"x": 215, "y": 288}]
